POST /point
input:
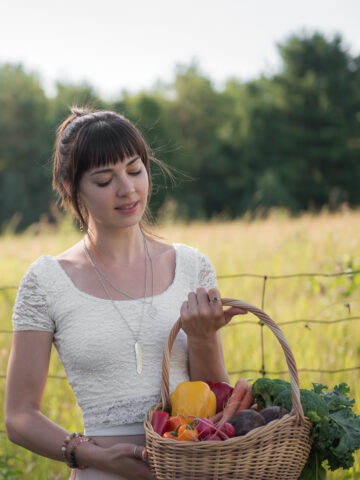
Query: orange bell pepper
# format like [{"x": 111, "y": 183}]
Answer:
[
  {"x": 187, "y": 433},
  {"x": 171, "y": 435},
  {"x": 175, "y": 422}
]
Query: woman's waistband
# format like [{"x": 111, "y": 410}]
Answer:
[{"x": 117, "y": 430}]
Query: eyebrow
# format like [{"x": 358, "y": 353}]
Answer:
[{"x": 106, "y": 170}]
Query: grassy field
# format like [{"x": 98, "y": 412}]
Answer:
[{"x": 276, "y": 246}]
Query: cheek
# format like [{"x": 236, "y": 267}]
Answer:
[{"x": 146, "y": 183}]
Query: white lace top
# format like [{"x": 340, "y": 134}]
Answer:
[{"x": 96, "y": 347}]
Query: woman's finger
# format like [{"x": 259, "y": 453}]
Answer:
[
  {"x": 203, "y": 302},
  {"x": 215, "y": 301},
  {"x": 232, "y": 311},
  {"x": 193, "y": 304}
]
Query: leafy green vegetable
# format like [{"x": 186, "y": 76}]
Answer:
[
  {"x": 336, "y": 437},
  {"x": 336, "y": 427},
  {"x": 313, "y": 469},
  {"x": 265, "y": 391},
  {"x": 313, "y": 405}
]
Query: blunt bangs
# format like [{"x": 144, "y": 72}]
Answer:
[{"x": 106, "y": 142}]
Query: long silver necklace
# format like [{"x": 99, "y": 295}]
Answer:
[
  {"x": 100, "y": 275},
  {"x": 99, "y": 272}
]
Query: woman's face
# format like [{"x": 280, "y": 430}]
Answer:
[{"x": 115, "y": 196}]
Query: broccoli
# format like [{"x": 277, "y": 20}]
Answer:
[
  {"x": 313, "y": 405},
  {"x": 265, "y": 391}
]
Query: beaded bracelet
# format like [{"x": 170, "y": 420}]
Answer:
[
  {"x": 70, "y": 458},
  {"x": 78, "y": 440},
  {"x": 65, "y": 444}
]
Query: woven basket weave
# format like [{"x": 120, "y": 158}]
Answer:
[{"x": 276, "y": 451}]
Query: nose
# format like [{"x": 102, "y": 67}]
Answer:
[{"x": 125, "y": 186}]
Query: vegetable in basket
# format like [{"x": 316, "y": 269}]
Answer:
[
  {"x": 222, "y": 392},
  {"x": 246, "y": 420},
  {"x": 187, "y": 433},
  {"x": 160, "y": 422},
  {"x": 265, "y": 390},
  {"x": 240, "y": 399},
  {"x": 336, "y": 427},
  {"x": 194, "y": 399}
]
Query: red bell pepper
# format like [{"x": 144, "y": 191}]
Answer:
[{"x": 160, "y": 422}]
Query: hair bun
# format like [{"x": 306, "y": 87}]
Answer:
[{"x": 80, "y": 111}]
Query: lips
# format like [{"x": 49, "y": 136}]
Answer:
[{"x": 127, "y": 206}]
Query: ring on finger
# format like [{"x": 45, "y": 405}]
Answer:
[
  {"x": 135, "y": 448},
  {"x": 214, "y": 300}
]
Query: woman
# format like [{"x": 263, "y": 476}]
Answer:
[{"x": 108, "y": 304}]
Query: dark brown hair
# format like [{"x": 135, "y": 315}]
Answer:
[{"x": 90, "y": 139}]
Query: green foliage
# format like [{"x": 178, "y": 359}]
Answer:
[
  {"x": 8, "y": 468},
  {"x": 336, "y": 427},
  {"x": 288, "y": 140}
]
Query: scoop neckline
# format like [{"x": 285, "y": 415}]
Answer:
[{"x": 93, "y": 297}]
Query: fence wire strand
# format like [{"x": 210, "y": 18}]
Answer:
[{"x": 265, "y": 278}]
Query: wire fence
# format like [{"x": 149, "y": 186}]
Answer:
[
  {"x": 306, "y": 321},
  {"x": 350, "y": 274}
]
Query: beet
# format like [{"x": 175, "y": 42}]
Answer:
[
  {"x": 273, "y": 413},
  {"x": 246, "y": 420}
]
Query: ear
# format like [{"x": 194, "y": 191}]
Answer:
[{"x": 67, "y": 188}]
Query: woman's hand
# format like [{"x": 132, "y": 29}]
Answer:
[
  {"x": 203, "y": 314},
  {"x": 125, "y": 459}
]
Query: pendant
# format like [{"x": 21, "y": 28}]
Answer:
[{"x": 138, "y": 355}]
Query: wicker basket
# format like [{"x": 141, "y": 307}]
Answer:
[{"x": 276, "y": 451}]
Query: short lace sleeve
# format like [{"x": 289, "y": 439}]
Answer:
[
  {"x": 30, "y": 310},
  {"x": 206, "y": 275}
]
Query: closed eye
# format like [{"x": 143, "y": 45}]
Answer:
[
  {"x": 104, "y": 184},
  {"x": 135, "y": 173}
]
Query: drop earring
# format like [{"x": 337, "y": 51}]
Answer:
[{"x": 81, "y": 226}]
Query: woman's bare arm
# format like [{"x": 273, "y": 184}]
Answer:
[
  {"x": 28, "y": 427},
  {"x": 26, "y": 377},
  {"x": 202, "y": 317},
  {"x": 206, "y": 359}
]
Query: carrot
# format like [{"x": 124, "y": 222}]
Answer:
[
  {"x": 217, "y": 416},
  {"x": 240, "y": 390},
  {"x": 246, "y": 401}
]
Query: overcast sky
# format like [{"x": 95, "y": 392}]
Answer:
[{"x": 116, "y": 44}]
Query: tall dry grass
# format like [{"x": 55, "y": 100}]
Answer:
[{"x": 278, "y": 245}]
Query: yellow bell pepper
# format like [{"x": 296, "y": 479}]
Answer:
[{"x": 193, "y": 398}]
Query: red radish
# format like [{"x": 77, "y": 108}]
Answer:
[
  {"x": 222, "y": 392},
  {"x": 205, "y": 427},
  {"x": 240, "y": 390},
  {"x": 226, "y": 431},
  {"x": 213, "y": 438},
  {"x": 160, "y": 422}
]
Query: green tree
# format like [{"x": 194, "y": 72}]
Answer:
[
  {"x": 24, "y": 156},
  {"x": 321, "y": 89}
]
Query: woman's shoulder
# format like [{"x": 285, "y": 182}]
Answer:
[
  {"x": 44, "y": 271},
  {"x": 40, "y": 265},
  {"x": 188, "y": 251}
]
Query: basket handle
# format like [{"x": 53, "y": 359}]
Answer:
[{"x": 297, "y": 409}]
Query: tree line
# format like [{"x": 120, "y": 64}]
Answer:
[{"x": 289, "y": 139}]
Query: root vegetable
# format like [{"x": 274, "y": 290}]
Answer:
[
  {"x": 246, "y": 420},
  {"x": 273, "y": 413},
  {"x": 240, "y": 389}
]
